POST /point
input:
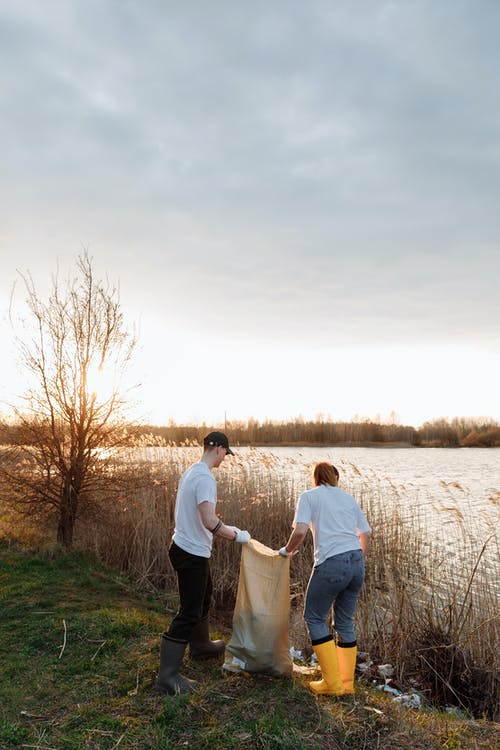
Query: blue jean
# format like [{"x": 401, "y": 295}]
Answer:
[{"x": 336, "y": 582}]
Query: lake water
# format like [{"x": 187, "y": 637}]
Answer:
[
  {"x": 452, "y": 487},
  {"x": 468, "y": 476},
  {"x": 456, "y": 490},
  {"x": 460, "y": 481}
]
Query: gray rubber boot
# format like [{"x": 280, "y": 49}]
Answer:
[
  {"x": 169, "y": 680},
  {"x": 200, "y": 645}
]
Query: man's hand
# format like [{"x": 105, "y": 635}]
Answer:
[{"x": 242, "y": 537}]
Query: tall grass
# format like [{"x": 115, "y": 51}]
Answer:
[{"x": 430, "y": 602}]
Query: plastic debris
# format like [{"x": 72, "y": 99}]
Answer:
[
  {"x": 389, "y": 689},
  {"x": 375, "y": 710},
  {"x": 385, "y": 670},
  {"x": 233, "y": 664},
  {"x": 306, "y": 665},
  {"x": 304, "y": 669},
  {"x": 454, "y": 711},
  {"x": 365, "y": 666},
  {"x": 410, "y": 700}
]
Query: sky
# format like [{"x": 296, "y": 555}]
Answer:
[{"x": 299, "y": 201}]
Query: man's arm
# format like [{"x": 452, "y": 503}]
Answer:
[{"x": 210, "y": 521}]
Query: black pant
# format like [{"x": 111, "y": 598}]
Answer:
[{"x": 195, "y": 592}]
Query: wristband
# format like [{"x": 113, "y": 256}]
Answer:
[{"x": 216, "y": 528}]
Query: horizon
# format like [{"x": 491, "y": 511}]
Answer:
[
  {"x": 244, "y": 423},
  {"x": 357, "y": 419}
]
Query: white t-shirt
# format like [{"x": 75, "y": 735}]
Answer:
[
  {"x": 334, "y": 518},
  {"x": 197, "y": 485}
]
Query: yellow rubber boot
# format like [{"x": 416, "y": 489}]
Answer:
[
  {"x": 347, "y": 664},
  {"x": 330, "y": 684}
]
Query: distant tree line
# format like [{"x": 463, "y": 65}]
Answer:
[{"x": 459, "y": 432}]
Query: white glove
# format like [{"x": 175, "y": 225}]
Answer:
[
  {"x": 285, "y": 553},
  {"x": 242, "y": 537}
]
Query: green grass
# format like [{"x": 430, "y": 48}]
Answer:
[{"x": 78, "y": 656}]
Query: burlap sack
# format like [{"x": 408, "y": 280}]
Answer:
[{"x": 260, "y": 641}]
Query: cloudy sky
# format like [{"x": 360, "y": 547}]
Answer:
[{"x": 300, "y": 201}]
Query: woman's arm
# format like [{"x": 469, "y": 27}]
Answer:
[
  {"x": 364, "y": 540},
  {"x": 296, "y": 538}
]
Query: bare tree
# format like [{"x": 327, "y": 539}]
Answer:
[{"x": 65, "y": 420}]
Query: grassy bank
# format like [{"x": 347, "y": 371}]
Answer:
[
  {"x": 79, "y": 651},
  {"x": 429, "y": 606}
]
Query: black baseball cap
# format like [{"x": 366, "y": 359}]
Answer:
[{"x": 218, "y": 438}]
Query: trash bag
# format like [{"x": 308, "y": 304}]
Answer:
[{"x": 260, "y": 639}]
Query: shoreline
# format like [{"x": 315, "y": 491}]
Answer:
[{"x": 303, "y": 444}]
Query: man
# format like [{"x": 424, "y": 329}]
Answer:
[{"x": 196, "y": 524}]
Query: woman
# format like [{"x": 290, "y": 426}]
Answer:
[{"x": 341, "y": 537}]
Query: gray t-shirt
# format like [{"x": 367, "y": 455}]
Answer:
[
  {"x": 334, "y": 518},
  {"x": 197, "y": 485}
]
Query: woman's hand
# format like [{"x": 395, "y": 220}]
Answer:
[{"x": 285, "y": 553}]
